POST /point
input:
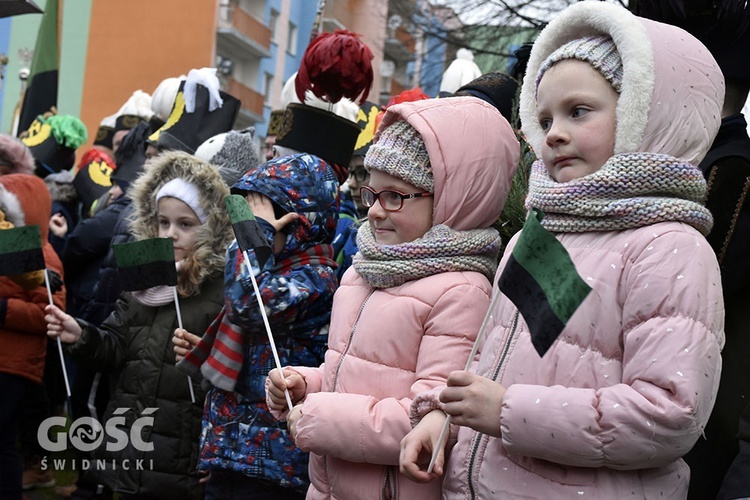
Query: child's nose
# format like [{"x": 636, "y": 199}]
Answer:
[
  {"x": 556, "y": 134},
  {"x": 376, "y": 211}
]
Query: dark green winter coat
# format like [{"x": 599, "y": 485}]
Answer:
[{"x": 136, "y": 342}]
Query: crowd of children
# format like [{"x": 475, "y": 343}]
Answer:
[{"x": 334, "y": 365}]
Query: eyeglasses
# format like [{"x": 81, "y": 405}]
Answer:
[
  {"x": 360, "y": 175},
  {"x": 391, "y": 201}
]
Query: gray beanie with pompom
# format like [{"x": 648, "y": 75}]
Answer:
[{"x": 233, "y": 153}]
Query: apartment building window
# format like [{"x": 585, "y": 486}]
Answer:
[
  {"x": 291, "y": 41},
  {"x": 267, "y": 86},
  {"x": 272, "y": 22}
]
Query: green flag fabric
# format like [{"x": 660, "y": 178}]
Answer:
[
  {"x": 146, "y": 263},
  {"x": 41, "y": 91},
  {"x": 20, "y": 250},
  {"x": 248, "y": 232},
  {"x": 542, "y": 282}
]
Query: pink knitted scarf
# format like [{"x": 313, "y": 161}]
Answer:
[
  {"x": 440, "y": 250},
  {"x": 630, "y": 190}
]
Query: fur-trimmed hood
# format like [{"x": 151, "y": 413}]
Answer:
[
  {"x": 654, "y": 114},
  {"x": 216, "y": 232}
]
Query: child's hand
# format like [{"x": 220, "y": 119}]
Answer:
[
  {"x": 262, "y": 207},
  {"x": 417, "y": 448},
  {"x": 204, "y": 475},
  {"x": 58, "y": 225},
  {"x": 474, "y": 401},
  {"x": 183, "y": 342},
  {"x": 291, "y": 380},
  {"x": 291, "y": 422},
  {"x": 61, "y": 325}
]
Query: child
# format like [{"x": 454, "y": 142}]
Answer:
[
  {"x": 182, "y": 198},
  {"x": 408, "y": 310},
  {"x": 24, "y": 201},
  {"x": 248, "y": 453},
  {"x": 620, "y": 110}
]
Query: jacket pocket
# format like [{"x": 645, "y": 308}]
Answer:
[{"x": 558, "y": 473}]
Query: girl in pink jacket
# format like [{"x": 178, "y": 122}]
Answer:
[
  {"x": 409, "y": 308},
  {"x": 620, "y": 111}
]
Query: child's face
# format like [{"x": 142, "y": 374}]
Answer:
[
  {"x": 358, "y": 177},
  {"x": 411, "y": 222},
  {"x": 178, "y": 221},
  {"x": 577, "y": 109}
]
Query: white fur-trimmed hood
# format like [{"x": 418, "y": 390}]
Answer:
[{"x": 655, "y": 113}]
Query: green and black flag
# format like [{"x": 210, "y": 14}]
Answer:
[
  {"x": 146, "y": 263},
  {"x": 41, "y": 92},
  {"x": 542, "y": 281},
  {"x": 246, "y": 229},
  {"x": 21, "y": 250}
]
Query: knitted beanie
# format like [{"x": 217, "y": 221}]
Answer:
[
  {"x": 233, "y": 153},
  {"x": 185, "y": 192},
  {"x": 400, "y": 152},
  {"x": 599, "y": 51}
]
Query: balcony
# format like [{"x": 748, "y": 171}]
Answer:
[
  {"x": 400, "y": 45},
  {"x": 242, "y": 32},
  {"x": 252, "y": 102}
]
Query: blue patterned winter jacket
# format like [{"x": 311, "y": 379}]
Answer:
[{"x": 297, "y": 287}]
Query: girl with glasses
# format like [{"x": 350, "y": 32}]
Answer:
[{"x": 408, "y": 310}]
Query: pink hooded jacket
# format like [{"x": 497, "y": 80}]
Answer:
[
  {"x": 387, "y": 345},
  {"x": 626, "y": 389}
]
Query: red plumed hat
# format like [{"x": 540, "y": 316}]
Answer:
[{"x": 336, "y": 65}]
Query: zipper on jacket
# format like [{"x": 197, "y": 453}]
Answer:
[
  {"x": 349, "y": 342},
  {"x": 478, "y": 438},
  {"x": 338, "y": 366},
  {"x": 389, "y": 490}
]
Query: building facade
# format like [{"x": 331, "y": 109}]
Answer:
[{"x": 110, "y": 49}]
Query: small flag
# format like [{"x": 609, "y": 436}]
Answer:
[
  {"x": 146, "y": 263},
  {"x": 542, "y": 281},
  {"x": 246, "y": 229},
  {"x": 21, "y": 250}
]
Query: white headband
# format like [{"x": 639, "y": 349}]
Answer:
[{"x": 185, "y": 192}]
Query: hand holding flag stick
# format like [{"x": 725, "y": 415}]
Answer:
[
  {"x": 250, "y": 235},
  {"x": 59, "y": 342},
  {"x": 148, "y": 263},
  {"x": 21, "y": 248},
  {"x": 477, "y": 343},
  {"x": 542, "y": 282}
]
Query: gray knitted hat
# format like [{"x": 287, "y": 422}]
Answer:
[
  {"x": 599, "y": 51},
  {"x": 400, "y": 152},
  {"x": 233, "y": 153}
]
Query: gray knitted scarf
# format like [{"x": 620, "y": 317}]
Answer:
[
  {"x": 440, "y": 250},
  {"x": 630, "y": 190}
]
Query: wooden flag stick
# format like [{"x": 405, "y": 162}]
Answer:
[
  {"x": 268, "y": 326},
  {"x": 477, "y": 343},
  {"x": 59, "y": 344},
  {"x": 179, "y": 323}
]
